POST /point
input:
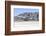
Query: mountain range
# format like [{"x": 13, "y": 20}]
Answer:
[{"x": 27, "y": 16}]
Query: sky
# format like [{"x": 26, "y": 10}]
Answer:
[{"x": 18, "y": 11}]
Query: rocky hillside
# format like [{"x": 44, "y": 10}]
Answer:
[{"x": 27, "y": 17}]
